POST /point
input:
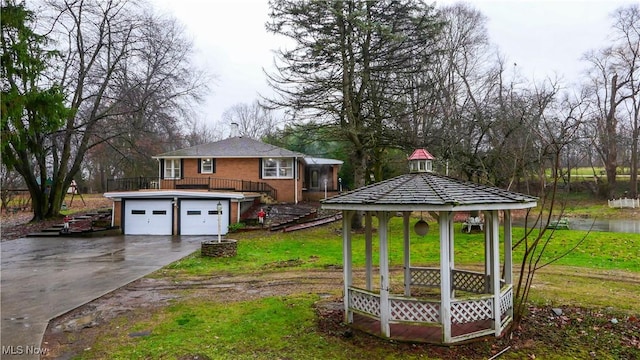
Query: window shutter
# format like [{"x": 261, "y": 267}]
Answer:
[
  {"x": 161, "y": 168},
  {"x": 199, "y": 166},
  {"x": 259, "y": 168},
  {"x": 181, "y": 168},
  {"x": 213, "y": 165}
]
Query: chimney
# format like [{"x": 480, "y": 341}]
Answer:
[{"x": 235, "y": 129}]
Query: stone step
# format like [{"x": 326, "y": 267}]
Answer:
[
  {"x": 55, "y": 228},
  {"x": 43, "y": 234}
]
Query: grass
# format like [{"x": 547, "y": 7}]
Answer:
[
  {"x": 270, "y": 328},
  {"x": 285, "y": 327},
  {"x": 588, "y": 171},
  {"x": 188, "y": 325},
  {"x": 322, "y": 247}
]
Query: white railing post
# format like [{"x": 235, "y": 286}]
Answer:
[
  {"x": 346, "y": 263},
  {"x": 407, "y": 254},
  {"x": 385, "y": 310},
  {"x": 445, "y": 277},
  {"x": 368, "y": 250}
]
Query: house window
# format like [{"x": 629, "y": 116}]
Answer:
[
  {"x": 172, "y": 169},
  {"x": 206, "y": 166},
  {"x": 277, "y": 168}
]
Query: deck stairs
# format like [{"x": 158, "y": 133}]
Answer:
[{"x": 87, "y": 224}]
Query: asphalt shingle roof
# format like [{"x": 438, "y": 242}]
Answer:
[
  {"x": 428, "y": 189},
  {"x": 235, "y": 147}
]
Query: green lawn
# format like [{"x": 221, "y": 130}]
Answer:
[
  {"x": 321, "y": 247},
  {"x": 285, "y": 327}
]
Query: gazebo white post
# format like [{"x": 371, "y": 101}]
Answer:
[
  {"x": 445, "y": 277},
  {"x": 346, "y": 261},
  {"x": 368, "y": 250},
  {"x": 385, "y": 310},
  {"x": 407, "y": 253},
  {"x": 495, "y": 271},
  {"x": 487, "y": 251},
  {"x": 508, "y": 255},
  {"x": 452, "y": 264}
]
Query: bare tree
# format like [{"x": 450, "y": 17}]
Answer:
[
  {"x": 558, "y": 126},
  {"x": 626, "y": 30},
  {"x": 10, "y": 183},
  {"x": 465, "y": 78},
  {"x": 127, "y": 75},
  {"x": 614, "y": 81},
  {"x": 250, "y": 120},
  {"x": 198, "y": 132}
]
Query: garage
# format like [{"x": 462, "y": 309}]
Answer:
[
  {"x": 200, "y": 216},
  {"x": 148, "y": 217},
  {"x": 176, "y": 212}
]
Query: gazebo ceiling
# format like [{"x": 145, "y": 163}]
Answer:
[{"x": 428, "y": 191}]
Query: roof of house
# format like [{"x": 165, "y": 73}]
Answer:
[
  {"x": 321, "y": 161},
  {"x": 428, "y": 191},
  {"x": 170, "y": 194},
  {"x": 234, "y": 147}
]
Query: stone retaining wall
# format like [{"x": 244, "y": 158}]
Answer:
[{"x": 213, "y": 248}]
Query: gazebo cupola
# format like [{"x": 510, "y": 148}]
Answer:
[
  {"x": 422, "y": 301},
  {"x": 420, "y": 161}
]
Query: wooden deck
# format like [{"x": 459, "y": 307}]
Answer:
[{"x": 419, "y": 333}]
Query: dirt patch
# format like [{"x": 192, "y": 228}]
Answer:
[{"x": 77, "y": 330}]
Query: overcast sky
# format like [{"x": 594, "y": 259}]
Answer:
[{"x": 543, "y": 37}]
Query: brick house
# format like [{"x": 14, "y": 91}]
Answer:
[
  {"x": 236, "y": 173},
  {"x": 286, "y": 176}
]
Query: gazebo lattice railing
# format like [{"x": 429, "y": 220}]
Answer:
[
  {"x": 475, "y": 309},
  {"x": 470, "y": 281}
]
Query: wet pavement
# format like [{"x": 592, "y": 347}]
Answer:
[{"x": 42, "y": 278}]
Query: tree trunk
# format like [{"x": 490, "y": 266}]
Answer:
[
  {"x": 611, "y": 128},
  {"x": 633, "y": 180},
  {"x": 360, "y": 176}
]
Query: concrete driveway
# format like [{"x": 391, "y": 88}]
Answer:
[{"x": 42, "y": 278}]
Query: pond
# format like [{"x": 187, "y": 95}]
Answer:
[{"x": 609, "y": 225}]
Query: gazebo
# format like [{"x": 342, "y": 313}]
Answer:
[{"x": 457, "y": 305}]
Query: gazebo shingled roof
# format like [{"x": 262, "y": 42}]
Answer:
[
  {"x": 428, "y": 189},
  {"x": 471, "y": 304}
]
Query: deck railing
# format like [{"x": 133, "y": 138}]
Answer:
[{"x": 202, "y": 183}]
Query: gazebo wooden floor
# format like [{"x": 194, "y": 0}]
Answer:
[{"x": 417, "y": 333}]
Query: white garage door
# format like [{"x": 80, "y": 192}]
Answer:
[
  {"x": 200, "y": 217},
  {"x": 148, "y": 217}
]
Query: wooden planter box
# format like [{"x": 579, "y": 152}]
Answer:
[{"x": 225, "y": 248}]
